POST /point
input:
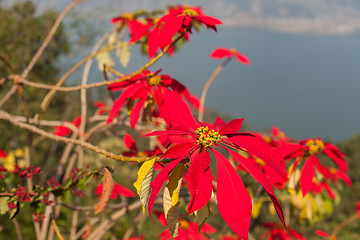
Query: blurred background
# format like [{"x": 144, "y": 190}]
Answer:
[{"x": 304, "y": 76}]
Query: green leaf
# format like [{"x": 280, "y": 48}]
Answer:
[
  {"x": 68, "y": 183},
  {"x": 82, "y": 184},
  {"x": 3, "y": 205},
  {"x": 142, "y": 184},
  {"x": 171, "y": 199},
  {"x": 123, "y": 53},
  {"x": 66, "y": 196},
  {"x": 36, "y": 206}
]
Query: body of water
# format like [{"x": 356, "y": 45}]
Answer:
[{"x": 307, "y": 85}]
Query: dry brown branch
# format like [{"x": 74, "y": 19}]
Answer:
[
  {"x": 17, "y": 229},
  {"x": 207, "y": 86},
  {"x": 8, "y": 117},
  {"x": 107, "y": 224}
]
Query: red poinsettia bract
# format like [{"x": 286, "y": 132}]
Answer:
[
  {"x": 64, "y": 131},
  {"x": 187, "y": 230},
  {"x": 195, "y": 142},
  {"x": 277, "y": 232},
  {"x": 178, "y": 20},
  {"x": 309, "y": 149},
  {"x": 117, "y": 190},
  {"x": 228, "y": 53},
  {"x": 151, "y": 89}
]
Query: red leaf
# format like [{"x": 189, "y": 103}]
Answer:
[
  {"x": 127, "y": 93},
  {"x": 169, "y": 29},
  {"x": 261, "y": 149},
  {"x": 130, "y": 142},
  {"x": 153, "y": 42},
  {"x": 159, "y": 180},
  {"x": 321, "y": 233},
  {"x": 178, "y": 150},
  {"x": 176, "y": 109},
  {"x": 200, "y": 182},
  {"x": 290, "y": 150},
  {"x": 335, "y": 154},
  {"x": 242, "y": 58},
  {"x": 234, "y": 202},
  {"x": 231, "y": 127},
  {"x": 137, "y": 30},
  {"x": 261, "y": 178},
  {"x": 208, "y": 20},
  {"x": 221, "y": 53},
  {"x": 123, "y": 191},
  {"x": 307, "y": 175},
  {"x": 135, "y": 113}
]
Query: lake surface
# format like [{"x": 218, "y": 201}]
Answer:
[{"x": 307, "y": 85}]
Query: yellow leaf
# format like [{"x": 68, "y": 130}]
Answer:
[
  {"x": 123, "y": 53},
  {"x": 170, "y": 213},
  {"x": 174, "y": 183},
  {"x": 202, "y": 215},
  {"x": 142, "y": 184},
  {"x": 107, "y": 189},
  {"x": 171, "y": 199},
  {"x": 10, "y": 162},
  {"x": 256, "y": 209}
]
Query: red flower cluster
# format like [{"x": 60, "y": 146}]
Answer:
[
  {"x": 309, "y": 149},
  {"x": 277, "y": 232},
  {"x": 151, "y": 89},
  {"x": 187, "y": 230},
  {"x": 160, "y": 32},
  {"x": 221, "y": 53},
  {"x": 195, "y": 142}
]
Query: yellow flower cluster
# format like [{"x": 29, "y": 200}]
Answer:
[
  {"x": 190, "y": 12},
  {"x": 207, "y": 138},
  {"x": 315, "y": 145},
  {"x": 155, "y": 80}
]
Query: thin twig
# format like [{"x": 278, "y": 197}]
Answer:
[
  {"x": 207, "y": 86},
  {"x": 57, "y": 230},
  {"x": 344, "y": 223},
  {"x": 8, "y": 117}
]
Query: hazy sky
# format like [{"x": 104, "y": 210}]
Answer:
[{"x": 294, "y": 16}]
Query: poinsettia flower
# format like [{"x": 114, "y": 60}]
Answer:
[
  {"x": 309, "y": 149},
  {"x": 277, "y": 231},
  {"x": 151, "y": 89},
  {"x": 193, "y": 143},
  {"x": 187, "y": 230},
  {"x": 117, "y": 190},
  {"x": 179, "y": 19},
  {"x": 64, "y": 131},
  {"x": 221, "y": 53}
]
